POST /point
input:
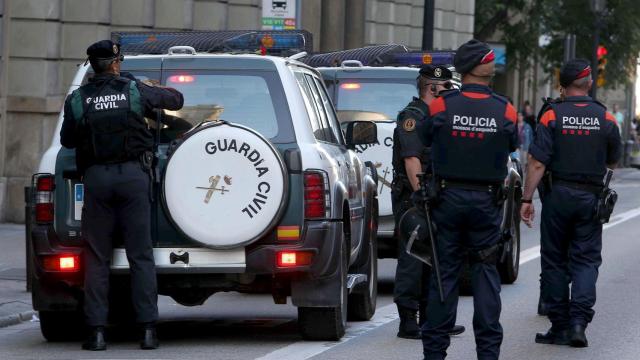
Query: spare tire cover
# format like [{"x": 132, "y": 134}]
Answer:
[{"x": 225, "y": 186}]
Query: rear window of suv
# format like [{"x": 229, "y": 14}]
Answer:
[
  {"x": 384, "y": 97},
  {"x": 251, "y": 98}
]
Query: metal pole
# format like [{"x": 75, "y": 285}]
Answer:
[
  {"x": 594, "y": 59},
  {"x": 427, "y": 24}
]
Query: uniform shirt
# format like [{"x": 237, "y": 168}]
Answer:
[
  {"x": 408, "y": 121},
  {"x": 152, "y": 97},
  {"x": 439, "y": 117},
  {"x": 542, "y": 148}
]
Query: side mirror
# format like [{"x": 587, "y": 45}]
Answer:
[{"x": 361, "y": 133}]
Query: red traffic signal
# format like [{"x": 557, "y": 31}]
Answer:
[{"x": 601, "y": 52}]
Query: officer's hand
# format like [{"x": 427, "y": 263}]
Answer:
[{"x": 527, "y": 213}]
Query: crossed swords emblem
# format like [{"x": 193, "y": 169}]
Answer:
[
  {"x": 383, "y": 179},
  {"x": 212, "y": 188}
]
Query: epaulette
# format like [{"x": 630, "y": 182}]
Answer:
[{"x": 502, "y": 98}]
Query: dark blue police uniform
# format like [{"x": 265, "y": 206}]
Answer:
[
  {"x": 575, "y": 140},
  {"x": 471, "y": 135},
  {"x": 104, "y": 122},
  {"x": 408, "y": 292}
]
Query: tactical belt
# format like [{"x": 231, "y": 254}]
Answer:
[
  {"x": 592, "y": 188},
  {"x": 464, "y": 185}
]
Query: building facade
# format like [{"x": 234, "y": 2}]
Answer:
[{"x": 43, "y": 41}]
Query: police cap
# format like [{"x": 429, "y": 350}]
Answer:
[
  {"x": 573, "y": 70},
  {"x": 471, "y": 54},
  {"x": 433, "y": 72},
  {"x": 103, "y": 50}
]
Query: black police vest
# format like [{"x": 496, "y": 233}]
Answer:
[
  {"x": 472, "y": 145},
  {"x": 419, "y": 113},
  {"x": 110, "y": 115},
  {"x": 579, "y": 140}
]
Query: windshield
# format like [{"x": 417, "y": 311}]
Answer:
[
  {"x": 252, "y": 98},
  {"x": 371, "y": 100}
]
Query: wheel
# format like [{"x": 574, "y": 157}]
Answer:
[
  {"x": 511, "y": 266},
  {"x": 327, "y": 323},
  {"x": 61, "y": 325},
  {"x": 363, "y": 298}
]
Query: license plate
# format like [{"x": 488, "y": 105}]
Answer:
[{"x": 78, "y": 198}]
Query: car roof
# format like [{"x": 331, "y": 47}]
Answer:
[{"x": 368, "y": 72}]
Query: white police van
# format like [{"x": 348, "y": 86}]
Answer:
[
  {"x": 376, "y": 82},
  {"x": 261, "y": 192}
]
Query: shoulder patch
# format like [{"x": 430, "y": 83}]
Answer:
[{"x": 409, "y": 124}]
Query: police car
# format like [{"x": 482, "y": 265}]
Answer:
[
  {"x": 261, "y": 193},
  {"x": 374, "y": 83}
]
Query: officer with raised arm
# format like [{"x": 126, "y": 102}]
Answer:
[
  {"x": 410, "y": 158},
  {"x": 471, "y": 133},
  {"x": 576, "y": 140},
  {"x": 104, "y": 122}
]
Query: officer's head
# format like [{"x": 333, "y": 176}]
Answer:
[
  {"x": 475, "y": 61},
  {"x": 575, "y": 77},
  {"x": 105, "y": 57},
  {"x": 433, "y": 80}
]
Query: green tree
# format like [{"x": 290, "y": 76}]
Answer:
[{"x": 519, "y": 23}]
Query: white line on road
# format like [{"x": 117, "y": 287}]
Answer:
[
  {"x": 534, "y": 252},
  {"x": 303, "y": 350}
]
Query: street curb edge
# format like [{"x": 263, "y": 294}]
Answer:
[{"x": 16, "y": 319}]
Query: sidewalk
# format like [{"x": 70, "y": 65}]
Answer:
[{"x": 15, "y": 301}]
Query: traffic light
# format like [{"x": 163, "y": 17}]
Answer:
[{"x": 602, "y": 63}]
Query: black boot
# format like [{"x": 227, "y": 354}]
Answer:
[
  {"x": 553, "y": 337},
  {"x": 578, "y": 337},
  {"x": 149, "y": 338},
  {"x": 95, "y": 341},
  {"x": 408, "y": 324},
  {"x": 456, "y": 330}
]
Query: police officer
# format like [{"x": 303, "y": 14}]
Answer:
[
  {"x": 577, "y": 139},
  {"x": 471, "y": 133},
  {"x": 104, "y": 122},
  {"x": 410, "y": 158}
]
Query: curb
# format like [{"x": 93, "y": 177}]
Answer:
[{"x": 16, "y": 319}]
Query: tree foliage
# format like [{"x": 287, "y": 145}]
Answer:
[{"x": 520, "y": 23}]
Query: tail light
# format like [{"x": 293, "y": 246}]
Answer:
[
  {"x": 293, "y": 258},
  {"x": 61, "y": 263},
  {"x": 44, "y": 195},
  {"x": 316, "y": 195}
]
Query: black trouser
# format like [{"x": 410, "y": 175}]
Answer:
[
  {"x": 465, "y": 219},
  {"x": 117, "y": 198},
  {"x": 570, "y": 253},
  {"x": 411, "y": 284}
]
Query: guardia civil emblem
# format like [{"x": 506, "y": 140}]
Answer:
[{"x": 213, "y": 187}]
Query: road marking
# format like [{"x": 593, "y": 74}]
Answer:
[
  {"x": 303, "y": 350},
  {"x": 533, "y": 253},
  {"x": 307, "y": 349}
]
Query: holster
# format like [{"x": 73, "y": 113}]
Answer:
[
  {"x": 500, "y": 195},
  {"x": 486, "y": 256},
  {"x": 147, "y": 164},
  {"x": 606, "y": 203}
]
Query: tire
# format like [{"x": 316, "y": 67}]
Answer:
[
  {"x": 59, "y": 326},
  {"x": 510, "y": 268},
  {"x": 363, "y": 299},
  {"x": 327, "y": 323}
]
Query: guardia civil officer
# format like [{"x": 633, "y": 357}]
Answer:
[
  {"x": 411, "y": 157},
  {"x": 471, "y": 133},
  {"x": 104, "y": 122},
  {"x": 577, "y": 139}
]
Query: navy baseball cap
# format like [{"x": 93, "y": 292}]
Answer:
[
  {"x": 573, "y": 70},
  {"x": 103, "y": 50},
  {"x": 435, "y": 72},
  {"x": 471, "y": 54}
]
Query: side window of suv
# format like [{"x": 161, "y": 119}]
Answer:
[
  {"x": 334, "y": 125},
  {"x": 312, "y": 110},
  {"x": 324, "y": 120}
]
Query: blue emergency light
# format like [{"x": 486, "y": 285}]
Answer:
[
  {"x": 422, "y": 58},
  {"x": 272, "y": 42}
]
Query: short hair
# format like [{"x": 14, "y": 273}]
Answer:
[
  {"x": 423, "y": 83},
  {"x": 100, "y": 65},
  {"x": 582, "y": 83}
]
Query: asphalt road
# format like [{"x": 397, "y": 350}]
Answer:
[{"x": 234, "y": 326}]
